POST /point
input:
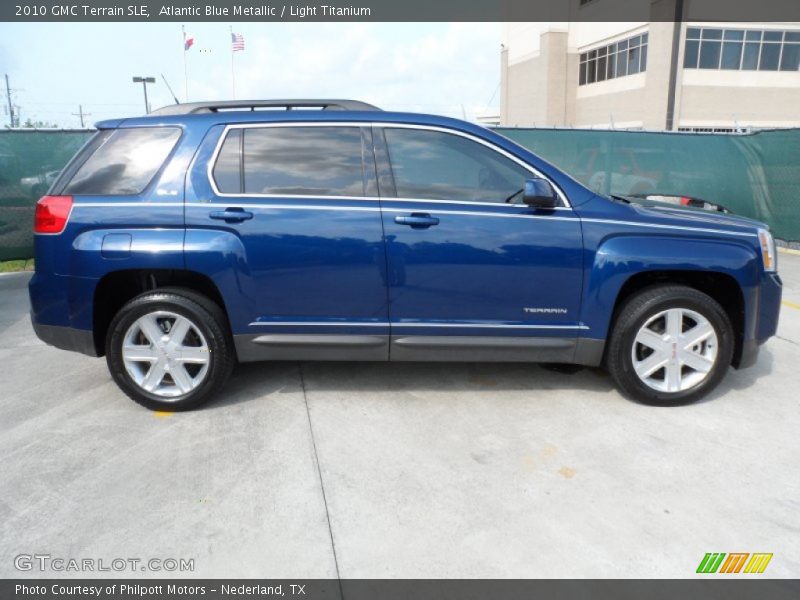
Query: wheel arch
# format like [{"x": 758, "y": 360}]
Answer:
[
  {"x": 722, "y": 287},
  {"x": 116, "y": 288}
]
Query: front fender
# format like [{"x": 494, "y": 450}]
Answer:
[{"x": 617, "y": 259}]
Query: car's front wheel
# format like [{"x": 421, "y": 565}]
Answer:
[
  {"x": 169, "y": 349},
  {"x": 671, "y": 344}
]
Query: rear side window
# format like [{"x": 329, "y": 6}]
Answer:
[
  {"x": 124, "y": 162},
  {"x": 309, "y": 161}
]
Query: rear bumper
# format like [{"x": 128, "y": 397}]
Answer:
[
  {"x": 66, "y": 338},
  {"x": 61, "y": 311}
]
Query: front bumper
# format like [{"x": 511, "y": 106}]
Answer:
[
  {"x": 749, "y": 354},
  {"x": 769, "y": 307}
]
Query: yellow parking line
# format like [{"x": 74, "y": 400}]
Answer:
[
  {"x": 793, "y": 305},
  {"x": 789, "y": 251},
  {"x": 160, "y": 414}
]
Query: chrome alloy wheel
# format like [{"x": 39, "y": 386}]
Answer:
[
  {"x": 675, "y": 350},
  {"x": 165, "y": 354}
]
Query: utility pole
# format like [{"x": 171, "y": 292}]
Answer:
[
  {"x": 10, "y": 106},
  {"x": 81, "y": 114}
]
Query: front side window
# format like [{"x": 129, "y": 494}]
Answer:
[
  {"x": 124, "y": 162},
  {"x": 441, "y": 166},
  {"x": 304, "y": 160}
]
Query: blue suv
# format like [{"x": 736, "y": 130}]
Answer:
[{"x": 204, "y": 234}]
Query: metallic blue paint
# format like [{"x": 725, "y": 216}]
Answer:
[
  {"x": 484, "y": 267},
  {"x": 347, "y": 266}
]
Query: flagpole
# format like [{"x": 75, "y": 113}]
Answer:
[
  {"x": 185, "y": 69},
  {"x": 233, "y": 73}
]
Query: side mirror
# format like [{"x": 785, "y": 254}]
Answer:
[{"x": 540, "y": 194}]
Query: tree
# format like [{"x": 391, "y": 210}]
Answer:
[{"x": 39, "y": 124}]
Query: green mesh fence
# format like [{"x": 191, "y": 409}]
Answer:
[
  {"x": 29, "y": 162},
  {"x": 756, "y": 175}
]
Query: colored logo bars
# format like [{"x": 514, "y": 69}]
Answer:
[{"x": 716, "y": 562}]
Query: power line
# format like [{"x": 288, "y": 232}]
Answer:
[
  {"x": 91, "y": 104},
  {"x": 489, "y": 103}
]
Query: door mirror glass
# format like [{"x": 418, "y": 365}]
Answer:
[{"x": 539, "y": 193}]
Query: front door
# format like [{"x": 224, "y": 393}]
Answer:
[{"x": 472, "y": 272}]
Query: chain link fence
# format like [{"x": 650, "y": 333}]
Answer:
[{"x": 756, "y": 175}]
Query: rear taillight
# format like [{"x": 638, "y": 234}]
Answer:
[
  {"x": 52, "y": 213},
  {"x": 685, "y": 201}
]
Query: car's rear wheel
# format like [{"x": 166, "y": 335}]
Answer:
[
  {"x": 169, "y": 349},
  {"x": 670, "y": 345}
]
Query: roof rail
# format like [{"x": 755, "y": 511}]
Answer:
[{"x": 191, "y": 108}]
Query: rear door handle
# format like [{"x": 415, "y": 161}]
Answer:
[
  {"x": 417, "y": 220},
  {"x": 231, "y": 215}
]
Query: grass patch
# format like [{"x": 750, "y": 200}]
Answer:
[{"x": 13, "y": 266}]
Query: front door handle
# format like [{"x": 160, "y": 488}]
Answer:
[
  {"x": 231, "y": 215},
  {"x": 417, "y": 220}
]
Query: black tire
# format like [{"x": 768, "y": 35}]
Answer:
[
  {"x": 204, "y": 314},
  {"x": 638, "y": 310}
]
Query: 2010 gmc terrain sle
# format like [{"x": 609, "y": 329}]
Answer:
[{"x": 179, "y": 243}]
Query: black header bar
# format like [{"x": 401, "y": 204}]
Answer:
[{"x": 104, "y": 11}]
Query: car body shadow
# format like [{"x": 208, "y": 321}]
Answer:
[{"x": 255, "y": 381}]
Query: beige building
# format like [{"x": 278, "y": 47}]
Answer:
[{"x": 695, "y": 76}]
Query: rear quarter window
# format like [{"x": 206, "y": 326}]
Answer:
[{"x": 123, "y": 162}]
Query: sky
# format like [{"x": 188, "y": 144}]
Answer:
[{"x": 443, "y": 68}]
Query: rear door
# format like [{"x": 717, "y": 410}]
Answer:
[
  {"x": 473, "y": 273},
  {"x": 286, "y": 218}
]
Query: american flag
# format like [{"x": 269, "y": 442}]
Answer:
[{"x": 237, "y": 42}]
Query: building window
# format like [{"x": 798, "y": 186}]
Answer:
[
  {"x": 714, "y": 129},
  {"x": 741, "y": 49},
  {"x": 626, "y": 57}
]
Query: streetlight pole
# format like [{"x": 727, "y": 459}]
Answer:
[{"x": 144, "y": 81}]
